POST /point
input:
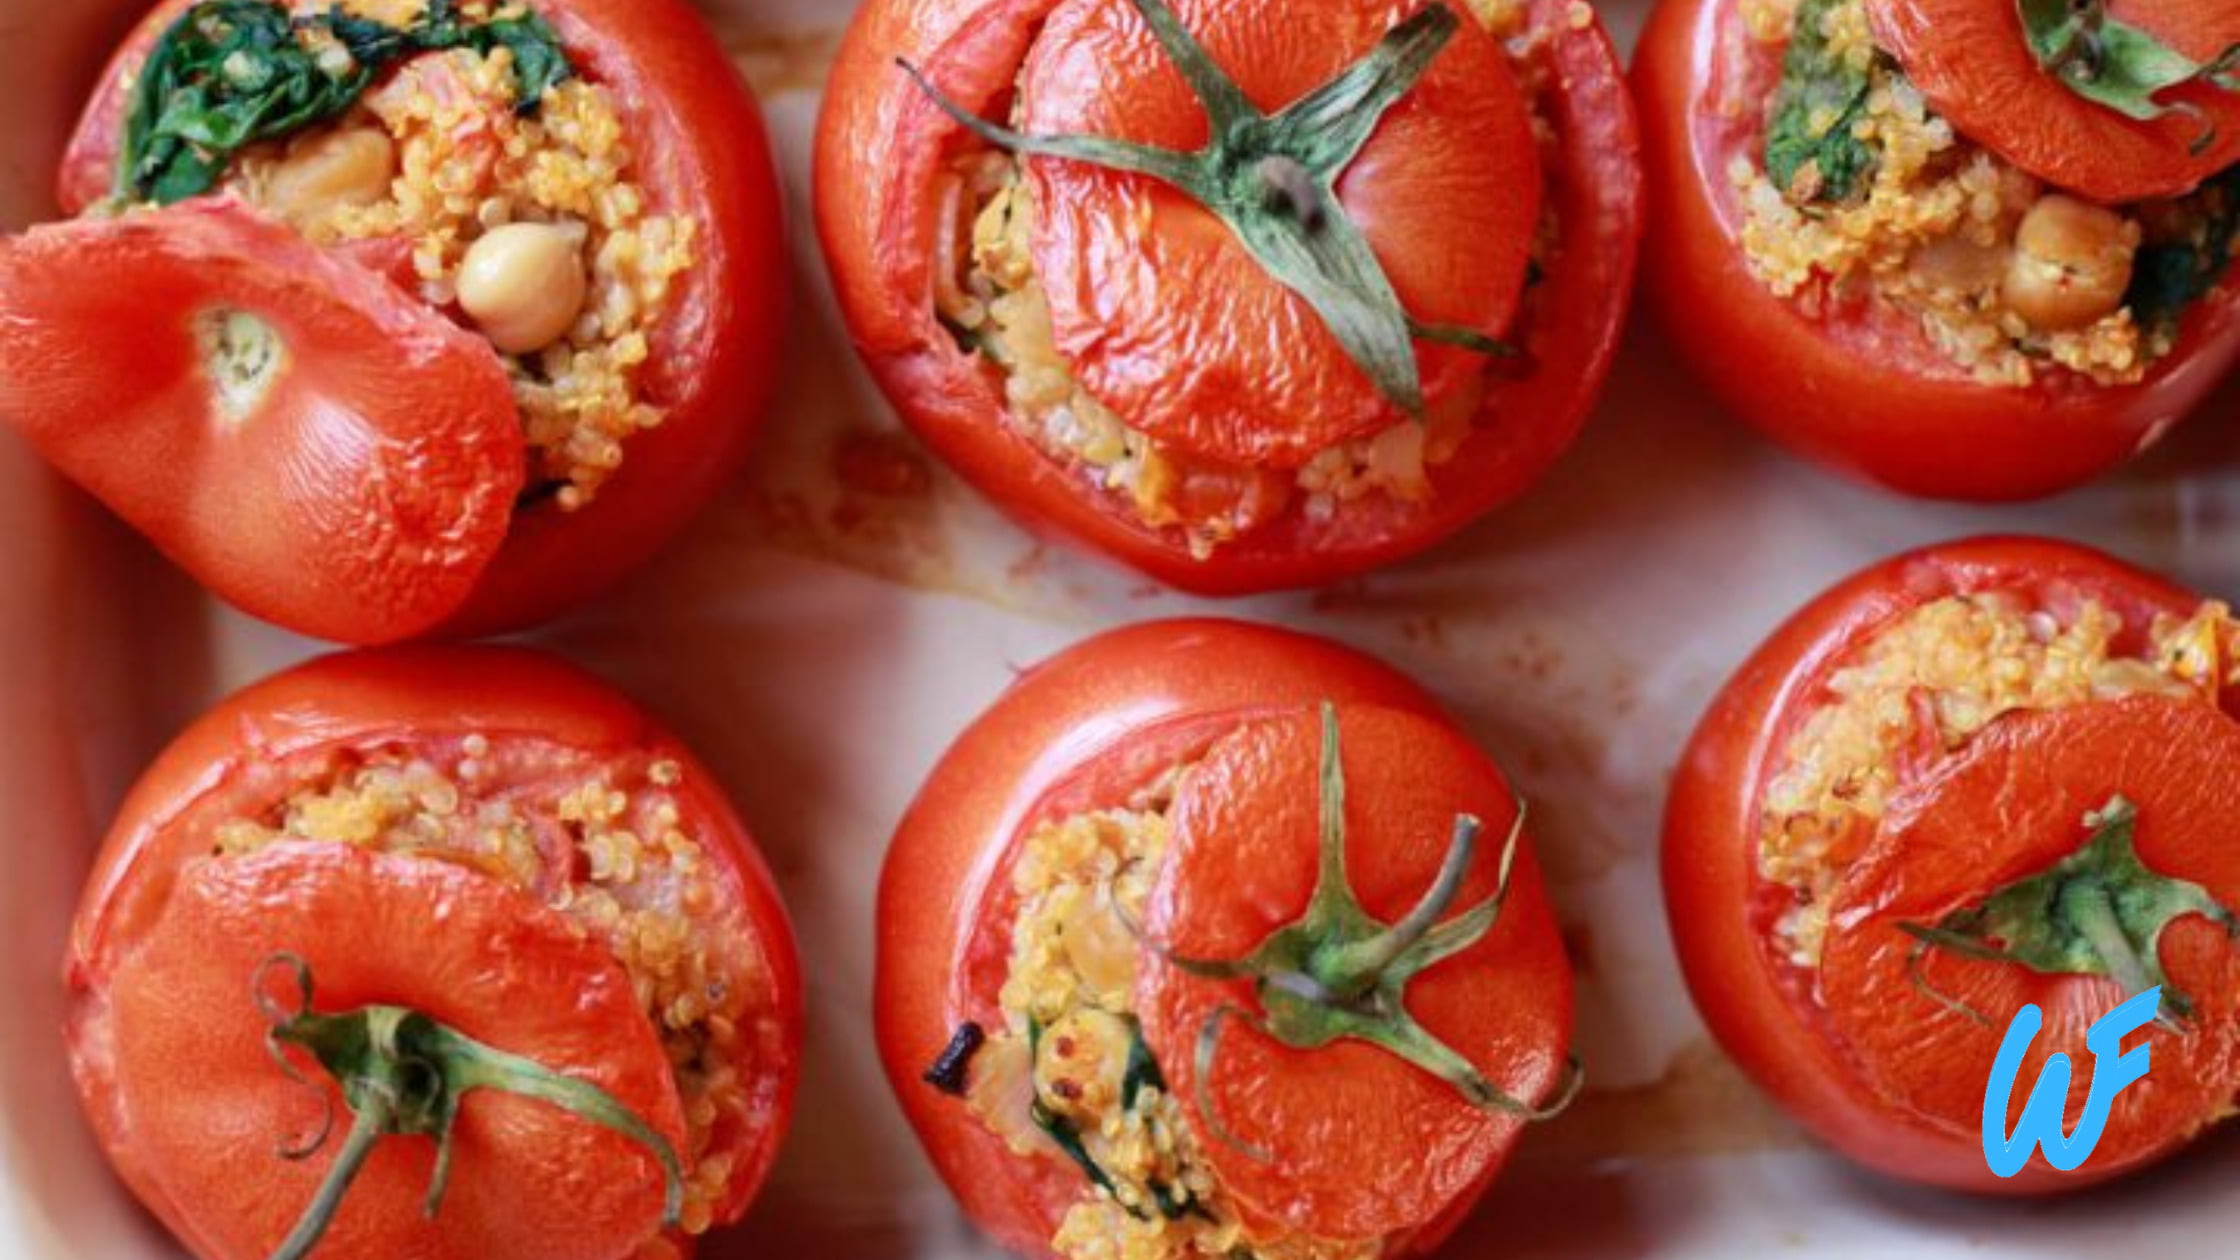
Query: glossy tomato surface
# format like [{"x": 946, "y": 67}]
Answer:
[
  {"x": 1973, "y": 61},
  {"x": 168, "y": 1040},
  {"x": 1854, "y": 1050},
  {"x": 1188, "y": 302},
  {"x": 1860, "y": 388},
  {"x": 219, "y": 478},
  {"x": 1099, "y": 722}
]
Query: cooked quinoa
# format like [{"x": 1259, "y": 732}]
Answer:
[
  {"x": 1928, "y": 684},
  {"x": 466, "y": 160},
  {"x": 1933, "y": 231},
  {"x": 1070, "y": 1059},
  {"x": 987, "y": 293},
  {"x": 605, "y": 843}
]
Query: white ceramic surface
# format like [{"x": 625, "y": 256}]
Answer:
[{"x": 821, "y": 642}]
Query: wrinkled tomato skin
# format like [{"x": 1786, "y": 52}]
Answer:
[
  {"x": 1714, "y": 895},
  {"x": 392, "y": 697},
  {"x": 1089, "y": 725},
  {"x": 701, "y": 153},
  {"x": 879, "y": 146},
  {"x": 1863, "y": 392}
]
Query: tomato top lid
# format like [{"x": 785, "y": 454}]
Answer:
[
  {"x": 308, "y": 441},
  {"x": 292, "y": 1012},
  {"x": 1356, "y": 987},
  {"x": 2115, "y": 100},
  {"x": 2068, "y": 858},
  {"x": 1263, "y": 228}
]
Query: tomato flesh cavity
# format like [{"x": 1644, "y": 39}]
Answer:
[
  {"x": 1163, "y": 313},
  {"x": 202, "y": 371}
]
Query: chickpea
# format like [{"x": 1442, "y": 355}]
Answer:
[
  {"x": 347, "y": 167},
  {"x": 2071, "y": 265},
  {"x": 523, "y": 284}
]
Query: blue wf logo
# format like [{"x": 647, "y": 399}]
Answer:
[{"x": 2113, "y": 1068}]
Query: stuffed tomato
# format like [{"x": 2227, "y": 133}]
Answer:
[
  {"x": 1970, "y": 249},
  {"x": 1977, "y": 777},
  {"x": 387, "y": 318},
  {"x": 437, "y": 952},
  {"x": 1245, "y": 295},
  {"x": 1211, "y": 939}
]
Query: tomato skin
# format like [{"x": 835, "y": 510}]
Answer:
[
  {"x": 879, "y": 146},
  {"x": 348, "y": 515},
  {"x": 374, "y": 698},
  {"x": 703, "y": 153},
  {"x": 1711, "y": 883},
  {"x": 1241, "y": 864},
  {"x": 1137, "y": 272},
  {"x": 2032, "y": 777},
  {"x": 1097, "y": 719},
  {"x": 1865, "y": 394},
  {"x": 1973, "y": 61}
]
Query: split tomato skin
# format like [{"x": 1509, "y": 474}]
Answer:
[
  {"x": 1721, "y": 911},
  {"x": 156, "y": 921},
  {"x": 880, "y": 143},
  {"x": 715, "y": 357},
  {"x": 1075, "y": 733},
  {"x": 1861, "y": 391}
]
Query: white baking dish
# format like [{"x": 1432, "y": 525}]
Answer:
[{"x": 822, "y": 643}]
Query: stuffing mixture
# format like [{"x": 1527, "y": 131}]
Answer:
[
  {"x": 1068, "y": 1076},
  {"x": 1863, "y": 192},
  {"x": 525, "y": 224}
]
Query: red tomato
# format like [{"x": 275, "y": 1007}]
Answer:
[
  {"x": 173, "y": 974},
  {"x": 1094, "y": 725},
  {"x": 1860, "y": 387},
  {"x": 1861, "y": 1048},
  {"x": 1974, "y": 63},
  {"x": 268, "y": 504},
  {"x": 1165, "y": 319}
]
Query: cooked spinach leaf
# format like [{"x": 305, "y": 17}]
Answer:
[
  {"x": 1142, "y": 1069},
  {"x": 1068, "y": 1138},
  {"x": 1811, "y": 153},
  {"x": 2168, "y": 276},
  {"x": 232, "y": 73}
]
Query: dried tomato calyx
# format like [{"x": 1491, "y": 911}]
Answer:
[
  {"x": 1272, "y": 178},
  {"x": 403, "y": 1073},
  {"x": 1338, "y": 974},
  {"x": 2113, "y": 63},
  {"x": 2098, "y": 912}
]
